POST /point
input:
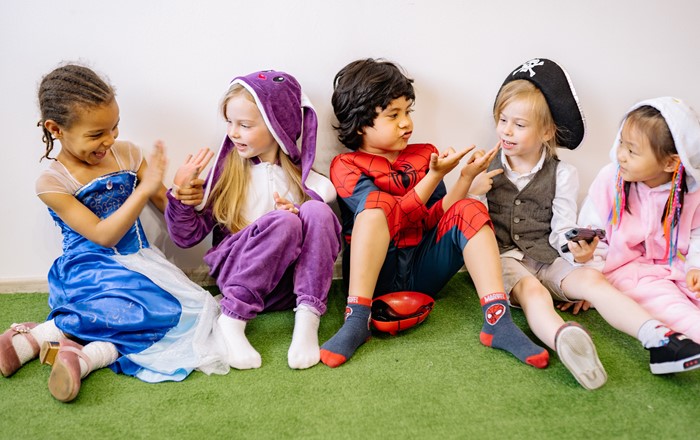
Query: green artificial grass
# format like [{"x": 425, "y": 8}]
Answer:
[{"x": 433, "y": 381}]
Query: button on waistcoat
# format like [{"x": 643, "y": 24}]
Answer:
[{"x": 523, "y": 219}]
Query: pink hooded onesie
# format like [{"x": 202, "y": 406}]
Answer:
[{"x": 634, "y": 257}]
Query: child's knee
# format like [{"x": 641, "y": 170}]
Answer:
[
  {"x": 584, "y": 276},
  {"x": 316, "y": 209},
  {"x": 472, "y": 208},
  {"x": 530, "y": 289},
  {"x": 374, "y": 217},
  {"x": 286, "y": 224},
  {"x": 469, "y": 216},
  {"x": 589, "y": 274}
]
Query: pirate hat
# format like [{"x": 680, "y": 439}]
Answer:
[{"x": 554, "y": 83}]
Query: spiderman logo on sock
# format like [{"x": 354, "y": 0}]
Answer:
[{"x": 494, "y": 313}]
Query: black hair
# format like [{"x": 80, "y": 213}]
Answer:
[
  {"x": 650, "y": 122},
  {"x": 65, "y": 90},
  {"x": 358, "y": 89}
]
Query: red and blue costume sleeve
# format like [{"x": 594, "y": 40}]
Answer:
[{"x": 367, "y": 181}]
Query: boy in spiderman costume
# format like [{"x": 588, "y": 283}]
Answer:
[{"x": 403, "y": 229}]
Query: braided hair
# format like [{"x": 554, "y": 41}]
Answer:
[
  {"x": 65, "y": 90},
  {"x": 649, "y": 122}
]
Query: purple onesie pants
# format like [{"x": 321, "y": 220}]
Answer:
[{"x": 280, "y": 260}]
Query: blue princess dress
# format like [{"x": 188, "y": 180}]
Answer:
[{"x": 162, "y": 324}]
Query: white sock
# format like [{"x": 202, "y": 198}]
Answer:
[
  {"x": 101, "y": 354},
  {"x": 304, "y": 351},
  {"x": 653, "y": 334},
  {"x": 46, "y": 331},
  {"x": 241, "y": 355}
]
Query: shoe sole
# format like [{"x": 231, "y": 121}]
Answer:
[
  {"x": 62, "y": 382},
  {"x": 676, "y": 366},
  {"x": 577, "y": 352}
]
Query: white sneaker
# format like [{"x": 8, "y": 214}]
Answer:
[{"x": 577, "y": 352}]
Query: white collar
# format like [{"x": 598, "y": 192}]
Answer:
[{"x": 514, "y": 174}]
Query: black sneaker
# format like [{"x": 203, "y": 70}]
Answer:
[{"x": 678, "y": 355}]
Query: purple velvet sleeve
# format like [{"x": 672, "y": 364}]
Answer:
[{"x": 186, "y": 226}]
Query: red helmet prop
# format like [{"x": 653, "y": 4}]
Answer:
[{"x": 398, "y": 311}]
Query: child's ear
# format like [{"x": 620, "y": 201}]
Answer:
[
  {"x": 549, "y": 133},
  {"x": 671, "y": 163},
  {"x": 53, "y": 128}
]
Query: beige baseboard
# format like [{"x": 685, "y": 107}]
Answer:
[
  {"x": 24, "y": 285},
  {"x": 199, "y": 275}
]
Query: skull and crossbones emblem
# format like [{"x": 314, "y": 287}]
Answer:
[{"x": 528, "y": 66}]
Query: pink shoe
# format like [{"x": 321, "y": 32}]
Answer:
[
  {"x": 9, "y": 361},
  {"x": 64, "y": 381}
]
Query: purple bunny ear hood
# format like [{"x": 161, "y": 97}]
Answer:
[{"x": 288, "y": 114}]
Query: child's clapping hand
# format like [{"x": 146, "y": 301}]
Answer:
[
  {"x": 152, "y": 180},
  {"x": 192, "y": 167},
  {"x": 188, "y": 188}
]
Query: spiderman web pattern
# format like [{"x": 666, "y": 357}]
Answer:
[
  {"x": 407, "y": 217},
  {"x": 468, "y": 215}
]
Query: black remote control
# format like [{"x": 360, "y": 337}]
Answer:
[{"x": 578, "y": 234}]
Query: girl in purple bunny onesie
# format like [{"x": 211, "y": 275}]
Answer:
[
  {"x": 648, "y": 202},
  {"x": 275, "y": 239}
]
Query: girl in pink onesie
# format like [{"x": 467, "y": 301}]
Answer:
[{"x": 648, "y": 202}]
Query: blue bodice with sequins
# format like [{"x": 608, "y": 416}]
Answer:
[{"x": 103, "y": 196}]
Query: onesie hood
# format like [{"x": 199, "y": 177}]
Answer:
[
  {"x": 288, "y": 114},
  {"x": 684, "y": 125}
]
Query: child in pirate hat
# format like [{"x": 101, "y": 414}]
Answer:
[{"x": 531, "y": 196}]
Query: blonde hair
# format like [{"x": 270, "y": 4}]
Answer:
[
  {"x": 228, "y": 197},
  {"x": 541, "y": 116}
]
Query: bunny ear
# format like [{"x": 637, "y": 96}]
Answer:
[
  {"x": 308, "y": 142},
  {"x": 215, "y": 171}
]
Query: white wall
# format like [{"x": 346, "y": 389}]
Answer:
[{"x": 171, "y": 60}]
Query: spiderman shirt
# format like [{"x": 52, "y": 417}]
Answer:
[{"x": 368, "y": 181}]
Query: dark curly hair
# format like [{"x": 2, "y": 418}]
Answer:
[
  {"x": 65, "y": 90},
  {"x": 359, "y": 89}
]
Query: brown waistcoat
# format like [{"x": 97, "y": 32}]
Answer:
[{"x": 523, "y": 219}]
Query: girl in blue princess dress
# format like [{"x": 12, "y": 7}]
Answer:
[{"x": 115, "y": 301}]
